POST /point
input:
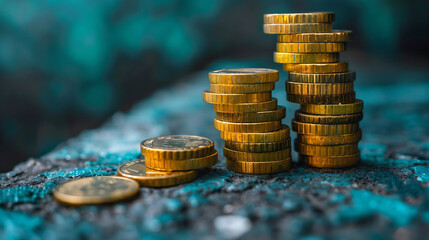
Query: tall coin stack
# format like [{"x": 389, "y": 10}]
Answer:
[
  {"x": 327, "y": 124},
  {"x": 256, "y": 141}
]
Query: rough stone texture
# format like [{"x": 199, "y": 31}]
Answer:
[{"x": 387, "y": 196}]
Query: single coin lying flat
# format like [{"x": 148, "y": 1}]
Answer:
[{"x": 96, "y": 190}]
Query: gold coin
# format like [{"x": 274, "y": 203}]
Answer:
[
  {"x": 326, "y": 151},
  {"x": 259, "y": 167},
  {"x": 96, "y": 190},
  {"x": 147, "y": 177},
  {"x": 297, "y": 28},
  {"x": 275, "y": 136},
  {"x": 177, "y": 147},
  {"x": 321, "y": 99},
  {"x": 258, "y": 147},
  {"x": 331, "y": 162},
  {"x": 334, "y": 109},
  {"x": 317, "y": 67},
  {"x": 263, "y": 116},
  {"x": 241, "y": 88},
  {"x": 224, "y": 98},
  {"x": 322, "y": 77},
  {"x": 306, "y": 57},
  {"x": 244, "y": 76},
  {"x": 182, "y": 165},
  {"x": 315, "y": 17},
  {"x": 247, "y": 127},
  {"x": 328, "y": 119},
  {"x": 246, "y": 107},
  {"x": 324, "y": 129},
  {"x": 318, "y": 88},
  {"x": 310, "y": 47},
  {"x": 334, "y": 36},
  {"x": 289, "y": 67},
  {"x": 256, "y": 157},
  {"x": 330, "y": 140}
]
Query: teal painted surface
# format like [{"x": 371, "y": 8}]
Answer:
[
  {"x": 78, "y": 172},
  {"x": 16, "y": 225},
  {"x": 367, "y": 204},
  {"x": 387, "y": 192},
  {"x": 422, "y": 173},
  {"x": 23, "y": 194}
]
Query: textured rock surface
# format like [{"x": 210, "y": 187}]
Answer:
[{"x": 386, "y": 196}]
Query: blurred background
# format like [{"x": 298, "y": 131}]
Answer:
[{"x": 67, "y": 66}]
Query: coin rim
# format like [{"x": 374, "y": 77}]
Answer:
[
  {"x": 158, "y": 181},
  {"x": 355, "y": 160},
  {"x": 344, "y": 35},
  {"x": 307, "y": 131},
  {"x": 242, "y": 88},
  {"x": 240, "y": 107},
  {"x": 306, "y": 58},
  {"x": 240, "y": 169},
  {"x": 253, "y": 117},
  {"x": 176, "y": 168},
  {"x": 317, "y": 68},
  {"x": 340, "y": 77},
  {"x": 291, "y": 18},
  {"x": 331, "y": 140},
  {"x": 324, "y": 150},
  {"x": 251, "y": 127},
  {"x": 311, "y": 47},
  {"x": 256, "y": 157},
  {"x": 245, "y": 137},
  {"x": 334, "y": 119},
  {"x": 322, "y": 99},
  {"x": 228, "y": 143},
  {"x": 230, "y": 98},
  {"x": 297, "y": 88},
  {"x": 296, "y": 28},
  {"x": 358, "y": 102},
  {"x": 255, "y": 78}
]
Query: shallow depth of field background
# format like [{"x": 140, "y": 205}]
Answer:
[{"x": 66, "y": 66}]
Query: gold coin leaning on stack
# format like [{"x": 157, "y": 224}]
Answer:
[
  {"x": 243, "y": 104},
  {"x": 147, "y": 177},
  {"x": 328, "y": 122}
]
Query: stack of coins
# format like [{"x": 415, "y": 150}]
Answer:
[
  {"x": 328, "y": 122},
  {"x": 249, "y": 119},
  {"x": 170, "y": 160}
]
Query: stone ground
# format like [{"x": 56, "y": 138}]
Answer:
[{"x": 387, "y": 196}]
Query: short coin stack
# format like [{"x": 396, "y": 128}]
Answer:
[
  {"x": 170, "y": 160},
  {"x": 249, "y": 119},
  {"x": 328, "y": 122}
]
